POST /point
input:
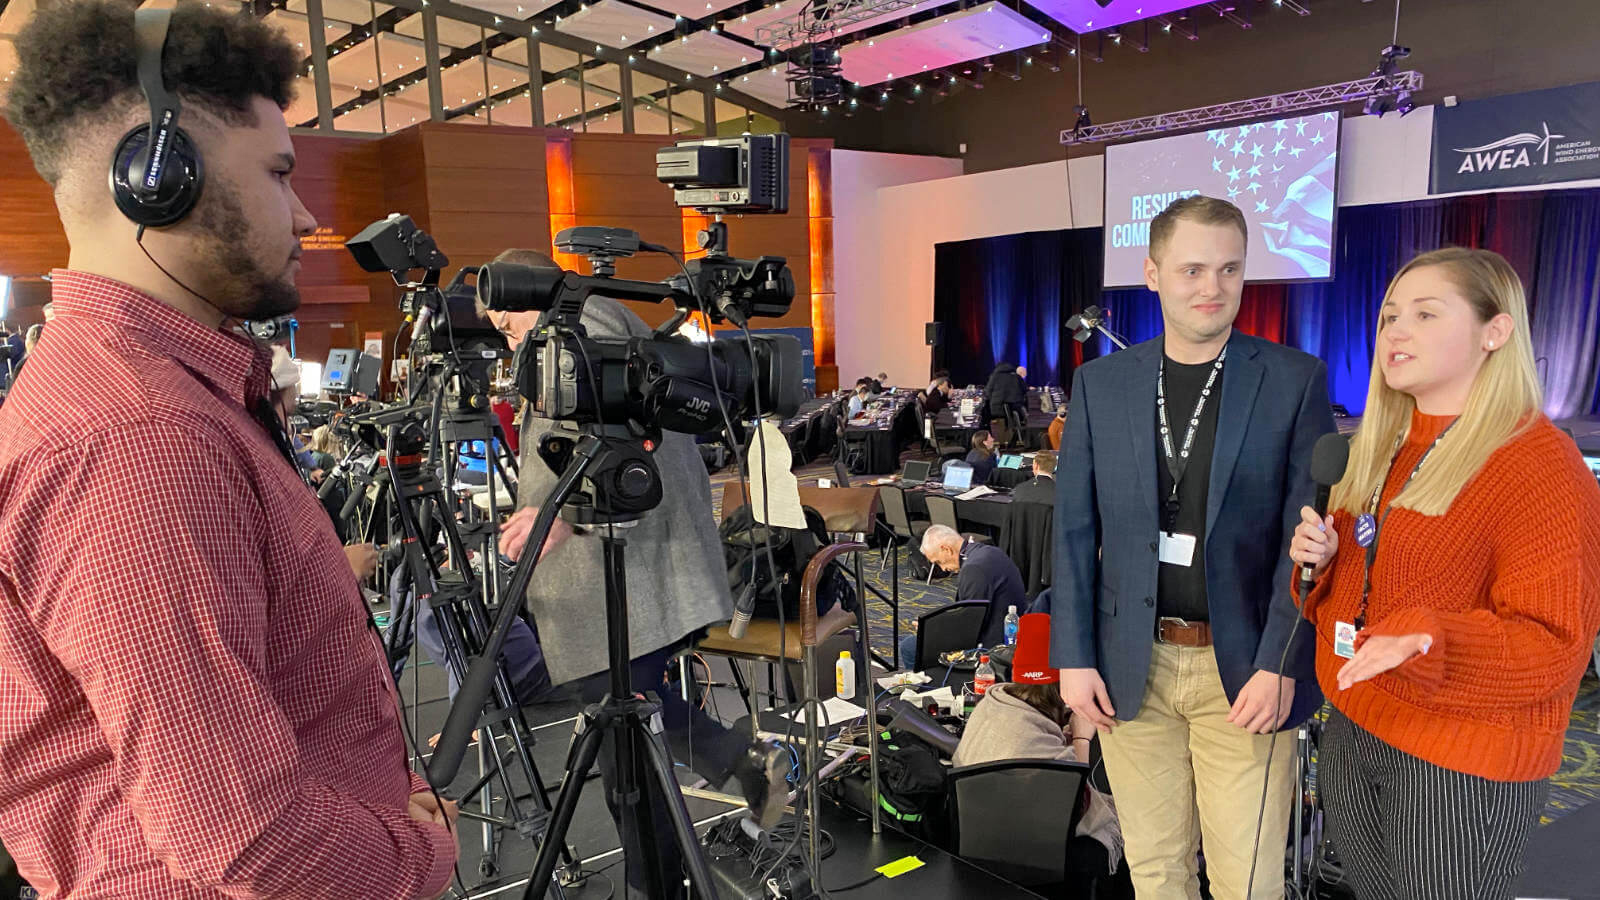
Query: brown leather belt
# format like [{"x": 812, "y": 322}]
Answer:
[{"x": 1183, "y": 633}]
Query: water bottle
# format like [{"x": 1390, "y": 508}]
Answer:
[
  {"x": 983, "y": 679},
  {"x": 1012, "y": 623},
  {"x": 844, "y": 676}
]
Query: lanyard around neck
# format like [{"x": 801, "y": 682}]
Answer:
[{"x": 1178, "y": 460}]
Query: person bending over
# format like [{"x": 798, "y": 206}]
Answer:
[
  {"x": 196, "y": 704},
  {"x": 984, "y": 573}
]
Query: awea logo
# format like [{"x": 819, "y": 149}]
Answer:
[{"x": 1508, "y": 152}]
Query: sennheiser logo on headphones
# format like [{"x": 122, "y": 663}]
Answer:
[{"x": 158, "y": 154}]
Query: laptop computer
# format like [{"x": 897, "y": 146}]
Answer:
[
  {"x": 916, "y": 472},
  {"x": 1010, "y": 461},
  {"x": 957, "y": 479}
]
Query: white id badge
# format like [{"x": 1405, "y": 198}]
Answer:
[
  {"x": 1344, "y": 639},
  {"x": 1177, "y": 549}
]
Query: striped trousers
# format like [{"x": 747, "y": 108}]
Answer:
[{"x": 1406, "y": 829}]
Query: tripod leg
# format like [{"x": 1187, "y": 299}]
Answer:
[
  {"x": 666, "y": 783},
  {"x": 584, "y": 752}
]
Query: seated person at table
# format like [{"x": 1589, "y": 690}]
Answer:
[
  {"x": 982, "y": 457},
  {"x": 938, "y": 396},
  {"x": 1026, "y": 719},
  {"x": 880, "y": 382},
  {"x": 858, "y": 401},
  {"x": 984, "y": 573},
  {"x": 1042, "y": 488},
  {"x": 1057, "y": 425}
]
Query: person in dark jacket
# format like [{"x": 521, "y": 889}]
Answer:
[
  {"x": 984, "y": 573},
  {"x": 982, "y": 457},
  {"x": 1005, "y": 390},
  {"x": 1042, "y": 488}
]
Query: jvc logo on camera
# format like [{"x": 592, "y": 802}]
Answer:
[{"x": 699, "y": 405}]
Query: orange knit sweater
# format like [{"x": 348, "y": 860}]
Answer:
[{"x": 1507, "y": 582}]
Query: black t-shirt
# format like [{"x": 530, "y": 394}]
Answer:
[{"x": 1181, "y": 590}]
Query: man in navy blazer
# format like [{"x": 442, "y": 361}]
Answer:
[{"x": 1172, "y": 614}]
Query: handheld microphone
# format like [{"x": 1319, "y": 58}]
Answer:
[
  {"x": 743, "y": 609},
  {"x": 1329, "y": 458}
]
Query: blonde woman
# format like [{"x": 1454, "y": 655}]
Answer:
[{"x": 1458, "y": 592}]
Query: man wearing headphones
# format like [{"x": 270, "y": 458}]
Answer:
[{"x": 195, "y": 704}]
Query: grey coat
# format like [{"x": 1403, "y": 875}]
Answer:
[{"x": 677, "y": 580}]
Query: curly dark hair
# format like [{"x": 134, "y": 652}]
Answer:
[{"x": 77, "y": 66}]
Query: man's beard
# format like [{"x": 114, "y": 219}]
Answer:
[{"x": 243, "y": 289}]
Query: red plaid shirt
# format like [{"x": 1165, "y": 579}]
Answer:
[{"x": 192, "y": 702}]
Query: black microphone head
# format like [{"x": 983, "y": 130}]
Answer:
[{"x": 1329, "y": 458}]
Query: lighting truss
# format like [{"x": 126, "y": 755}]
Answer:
[
  {"x": 820, "y": 17},
  {"x": 1259, "y": 107}
]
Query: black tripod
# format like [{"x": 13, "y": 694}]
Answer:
[
  {"x": 625, "y": 483},
  {"x": 458, "y": 604},
  {"x": 622, "y": 482}
]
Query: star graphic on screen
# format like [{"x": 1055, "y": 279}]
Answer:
[
  {"x": 1244, "y": 131},
  {"x": 1261, "y": 206},
  {"x": 1316, "y": 139},
  {"x": 1211, "y": 135},
  {"x": 1255, "y": 170},
  {"x": 1254, "y": 187},
  {"x": 1216, "y": 164},
  {"x": 1233, "y": 174},
  {"x": 1279, "y": 126},
  {"x": 1276, "y": 168},
  {"x": 1277, "y": 148},
  {"x": 1232, "y": 193},
  {"x": 1300, "y": 127},
  {"x": 1238, "y": 147},
  {"x": 1296, "y": 151},
  {"x": 1255, "y": 152},
  {"x": 1328, "y": 116}
]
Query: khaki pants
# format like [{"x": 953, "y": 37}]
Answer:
[{"x": 1181, "y": 772}]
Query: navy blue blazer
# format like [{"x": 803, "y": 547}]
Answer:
[{"x": 1274, "y": 406}]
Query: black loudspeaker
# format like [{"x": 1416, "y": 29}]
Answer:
[{"x": 935, "y": 333}]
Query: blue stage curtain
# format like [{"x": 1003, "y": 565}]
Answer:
[{"x": 1566, "y": 322}]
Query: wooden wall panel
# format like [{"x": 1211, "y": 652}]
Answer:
[
  {"x": 523, "y": 191},
  {"x": 31, "y": 240},
  {"x": 405, "y": 176}
]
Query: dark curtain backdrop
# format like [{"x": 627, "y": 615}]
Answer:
[{"x": 1008, "y": 298}]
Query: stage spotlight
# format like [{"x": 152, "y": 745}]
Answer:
[
  {"x": 1404, "y": 104},
  {"x": 1082, "y": 120}
]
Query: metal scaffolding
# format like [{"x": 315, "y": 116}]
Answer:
[
  {"x": 1258, "y": 107},
  {"x": 818, "y": 19}
]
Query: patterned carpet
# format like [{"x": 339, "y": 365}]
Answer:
[{"x": 1576, "y": 785}]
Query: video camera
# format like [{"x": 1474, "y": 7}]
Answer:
[
  {"x": 663, "y": 381},
  {"x": 447, "y": 322}
]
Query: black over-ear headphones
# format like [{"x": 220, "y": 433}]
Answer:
[{"x": 156, "y": 174}]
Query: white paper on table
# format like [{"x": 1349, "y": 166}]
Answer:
[
  {"x": 782, "y": 504},
  {"x": 944, "y": 696},
  {"x": 975, "y": 493},
  {"x": 967, "y": 406},
  {"x": 834, "y": 712}
]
